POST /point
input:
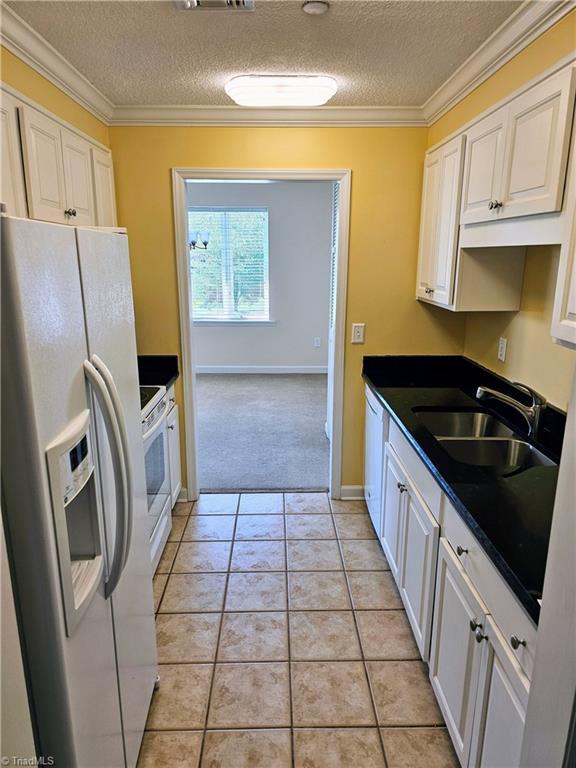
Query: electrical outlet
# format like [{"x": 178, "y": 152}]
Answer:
[
  {"x": 358, "y": 333},
  {"x": 316, "y": 341},
  {"x": 502, "y": 344}
]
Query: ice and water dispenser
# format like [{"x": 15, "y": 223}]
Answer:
[{"x": 75, "y": 508}]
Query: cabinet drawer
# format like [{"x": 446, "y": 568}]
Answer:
[
  {"x": 421, "y": 478},
  {"x": 508, "y": 614}
]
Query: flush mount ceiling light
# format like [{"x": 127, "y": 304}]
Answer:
[
  {"x": 281, "y": 90},
  {"x": 315, "y": 7}
]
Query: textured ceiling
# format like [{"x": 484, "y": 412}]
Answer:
[{"x": 382, "y": 52}]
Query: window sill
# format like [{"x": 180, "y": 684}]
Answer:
[{"x": 217, "y": 323}]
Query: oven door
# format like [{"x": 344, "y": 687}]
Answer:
[{"x": 157, "y": 472}]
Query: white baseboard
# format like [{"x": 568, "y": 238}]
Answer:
[
  {"x": 183, "y": 495},
  {"x": 352, "y": 492},
  {"x": 261, "y": 369}
]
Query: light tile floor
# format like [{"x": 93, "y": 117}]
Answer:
[{"x": 283, "y": 643}]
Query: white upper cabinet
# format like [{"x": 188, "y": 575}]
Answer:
[
  {"x": 13, "y": 191},
  {"x": 564, "y": 312},
  {"x": 77, "y": 179},
  {"x": 439, "y": 222},
  {"x": 516, "y": 157},
  {"x": 103, "y": 175},
  {"x": 43, "y": 165},
  {"x": 539, "y": 125},
  {"x": 485, "y": 143}
]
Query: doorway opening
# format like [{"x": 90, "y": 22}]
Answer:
[{"x": 262, "y": 284}]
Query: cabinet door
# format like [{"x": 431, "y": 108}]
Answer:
[
  {"x": 501, "y": 704},
  {"x": 44, "y": 171},
  {"x": 104, "y": 194},
  {"x": 455, "y": 653},
  {"x": 419, "y": 543},
  {"x": 373, "y": 450},
  {"x": 538, "y": 137},
  {"x": 13, "y": 192},
  {"x": 485, "y": 144},
  {"x": 78, "y": 179},
  {"x": 429, "y": 224},
  {"x": 395, "y": 490},
  {"x": 174, "y": 453}
]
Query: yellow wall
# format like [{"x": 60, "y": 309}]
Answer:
[
  {"x": 532, "y": 355},
  {"x": 19, "y": 75},
  {"x": 386, "y": 166}
]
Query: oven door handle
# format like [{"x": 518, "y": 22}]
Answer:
[
  {"x": 119, "y": 469},
  {"x": 106, "y": 374},
  {"x": 156, "y": 428}
]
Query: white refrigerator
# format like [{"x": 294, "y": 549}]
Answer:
[{"x": 74, "y": 492}]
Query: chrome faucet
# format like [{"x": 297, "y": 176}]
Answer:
[{"x": 530, "y": 412}]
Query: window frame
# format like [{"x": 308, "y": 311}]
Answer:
[{"x": 214, "y": 321}]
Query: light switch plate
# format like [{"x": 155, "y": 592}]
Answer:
[
  {"x": 502, "y": 344},
  {"x": 358, "y": 333}
]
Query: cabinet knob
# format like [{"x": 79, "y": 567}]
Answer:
[
  {"x": 475, "y": 624},
  {"x": 461, "y": 551},
  {"x": 401, "y": 487},
  {"x": 170, "y": 426},
  {"x": 497, "y": 204},
  {"x": 515, "y": 642},
  {"x": 172, "y": 400},
  {"x": 491, "y": 204},
  {"x": 70, "y": 211},
  {"x": 479, "y": 636}
]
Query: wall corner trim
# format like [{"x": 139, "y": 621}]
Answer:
[{"x": 531, "y": 20}]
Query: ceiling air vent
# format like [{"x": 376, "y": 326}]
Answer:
[{"x": 216, "y": 5}]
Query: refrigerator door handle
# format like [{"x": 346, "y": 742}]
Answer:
[
  {"x": 106, "y": 374},
  {"x": 118, "y": 465}
]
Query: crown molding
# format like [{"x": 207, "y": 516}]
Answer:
[
  {"x": 23, "y": 41},
  {"x": 239, "y": 116},
  {"x": 531, "y": 20}
]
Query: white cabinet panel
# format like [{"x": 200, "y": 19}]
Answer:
[
  {"x": 439, "y": 224},
  {"x": 42, "y": 152},
  {"x": 455, "y": 653},
  {"x": 104, "y": 195},
  {"x": 500, "y": 706},
  {"x": 395, "y": 490},
  {"x": 13, "y": 191},
  {"x": 78, "y": 179},
  {"x": 418, "y": 568},
  {"x": 564, "y": 312},
  {"x": 485, "y": 144},
  {"x": 373, "y": 454},
  {"x": 537, "y": 143},
  {"x": 173, "y": 425}
]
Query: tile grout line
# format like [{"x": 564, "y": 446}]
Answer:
[
  {"x": 292, "y": 742},
  {"x": 219, "y": 635},
  {"x": 364, "y": 664}
]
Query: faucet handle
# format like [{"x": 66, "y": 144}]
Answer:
[{"x": 537, "y": 398}]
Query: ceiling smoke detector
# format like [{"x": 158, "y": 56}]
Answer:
[
  {"x": 315, "y": 7},
  {"x": 216, "y": 5}
]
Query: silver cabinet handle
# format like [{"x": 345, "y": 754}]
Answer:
[
  {"x": 497, "y": 204},
  {"x": 475, "y": 624},
  {"x": 515, "y": 642},
  {"x": 491, "y": 204},
  {"x": 170, "y": 426},
  {"x": 70, "y": 211},
  {"x": 479, "y": 636},
  {"x": 461, "y": 551},
  {"x": 401, "y": 487}
]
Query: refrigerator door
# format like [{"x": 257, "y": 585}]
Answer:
[
  {"x": 106, "y": 285},
  {"x": 70, "y": 669}
]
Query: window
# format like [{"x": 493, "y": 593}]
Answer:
[{"x": 230, "y": 277}]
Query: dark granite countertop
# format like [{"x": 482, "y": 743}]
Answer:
[
  {"x": 509, "y": 515},
  {"x": 158, "y": 369}
]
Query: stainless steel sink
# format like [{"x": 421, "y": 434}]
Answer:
[
  {"x": 463, "y": 424},
  {"x": 495, "y": 452}
]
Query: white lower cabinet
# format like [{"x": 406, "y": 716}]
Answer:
[
  {"x": 420, "y": 533},
  {"x": 455, "y": 654},
  {"x": 373, "y": 450},
  {"x": 500, "y": 705},
  {"x": 174, "y": 453},
  {"x": 395, "y": 488}
]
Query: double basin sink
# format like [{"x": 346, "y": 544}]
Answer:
[{"x": 480, "y": 439}]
